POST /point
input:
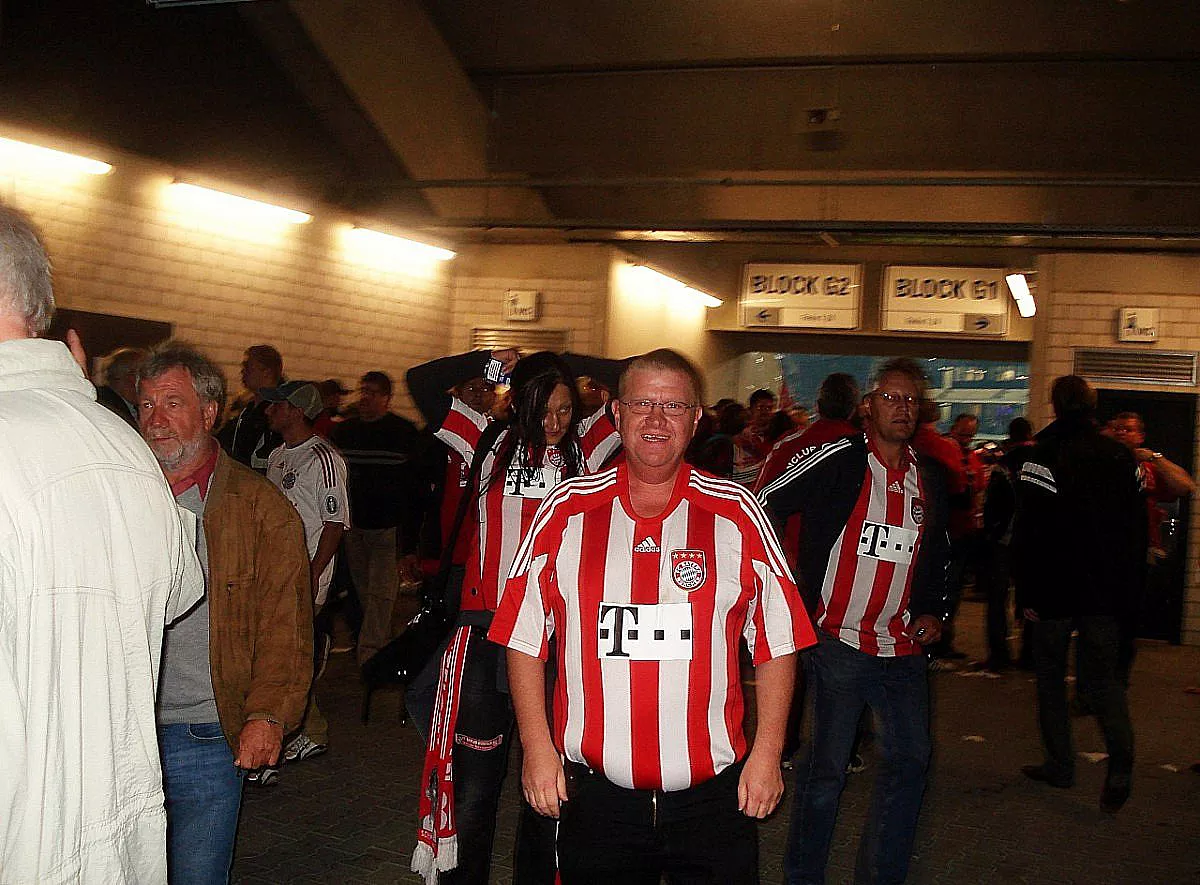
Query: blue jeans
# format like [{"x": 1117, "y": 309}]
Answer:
[
  {"x": 843, "y": 681},
  {"x": 204, "y": 795}
]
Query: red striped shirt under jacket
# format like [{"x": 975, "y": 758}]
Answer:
[
  {"x": 506, "y": 506},
  {"x": 646, "y": 615},
  {"x": 864, "y": 597}
]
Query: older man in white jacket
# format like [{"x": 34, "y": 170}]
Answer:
[{"x": 94, "y": 560}]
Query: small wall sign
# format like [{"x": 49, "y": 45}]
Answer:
[
  {"x": 1137, "y": 324},
  {"x": 521, "y": 305}
]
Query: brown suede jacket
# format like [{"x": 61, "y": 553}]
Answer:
[{"x": 259, "y": 599}]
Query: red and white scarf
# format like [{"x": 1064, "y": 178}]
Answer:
[{"x": 437, "y": 836}]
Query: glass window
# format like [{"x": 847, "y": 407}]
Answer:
[{"x": 996, "y": 391}]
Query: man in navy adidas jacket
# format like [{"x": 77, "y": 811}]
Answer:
[
  {"x": 1078, "y": 545},
  {"x": 872, "y": 562}
]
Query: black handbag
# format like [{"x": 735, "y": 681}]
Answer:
[{"x": 399, "y": 662}]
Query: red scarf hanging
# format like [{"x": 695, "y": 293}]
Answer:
[{"x": 437, "y": 837}]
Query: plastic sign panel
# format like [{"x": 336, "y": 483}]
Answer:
[
  {"x": 802, "y": 296},
  {"x": 957, "y": 300},
  {"x": 1137, "y": 324}
]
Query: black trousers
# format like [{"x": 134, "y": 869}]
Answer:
[
  {"x": 1099, "y": 686},
  {"x": 608, "y": 834}
]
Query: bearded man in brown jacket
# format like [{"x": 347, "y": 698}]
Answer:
[{"x": 236, "y": 669}]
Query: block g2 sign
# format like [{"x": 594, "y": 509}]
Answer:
[{"x": 802, "y": 296}]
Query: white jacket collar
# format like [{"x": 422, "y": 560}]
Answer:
[{"x": 40, "y": 364}]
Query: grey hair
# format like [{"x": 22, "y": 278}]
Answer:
[
  {"x": 25, "y": 287},
  {"x": 901, "y": 365},
  {"x": 207, "y": 377}
]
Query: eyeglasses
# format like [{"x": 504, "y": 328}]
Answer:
[
  {"x": 671, "y": 409},
  {"x": 895, "y": 399}
]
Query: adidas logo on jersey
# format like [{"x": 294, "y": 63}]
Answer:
[
  {"x": 896, "y": 487},
  {"x": 647, "y": 545}
]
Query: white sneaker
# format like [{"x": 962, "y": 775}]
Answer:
[{"x": 301, "y": 747}]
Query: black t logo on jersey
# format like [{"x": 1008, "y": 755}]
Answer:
[
  {"x": 521, "y": 478},
  {"x": 874, "y": 536},
  {"x": 617, "y": 633}
]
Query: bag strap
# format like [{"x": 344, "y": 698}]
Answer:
[{"x": 486, "y": 440}]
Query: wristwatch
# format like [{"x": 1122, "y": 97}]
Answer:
[{"x": 1156, "y": 456}]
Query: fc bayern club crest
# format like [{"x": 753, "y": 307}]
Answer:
[
  {"x": 918, "y": 511},
  {"x": 555, "y": 457},
  {"x": 289, "y": 480},
  {"x": 687, "y": 569}
]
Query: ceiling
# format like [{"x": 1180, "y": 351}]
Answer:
[{"x": 1071, "y": 125}]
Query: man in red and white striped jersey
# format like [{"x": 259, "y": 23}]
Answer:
[
  {"x": 645, "y": 577},
  {"x": 872, "y": 563}
]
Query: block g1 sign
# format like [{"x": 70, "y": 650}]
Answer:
[{"x": 1137, "y": 324}]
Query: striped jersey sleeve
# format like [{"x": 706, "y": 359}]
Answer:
[
  {"x": 462, "y": 429},
  {"x": 598, "y": 438}
]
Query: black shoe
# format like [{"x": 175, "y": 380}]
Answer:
[
  {"x": 1039, "y": 773},
  {"x": 1114, "y": 796}
]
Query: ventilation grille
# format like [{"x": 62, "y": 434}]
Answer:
[
  {"x": 524, "y": 340},
  {"x": 1139, "y": 366}
]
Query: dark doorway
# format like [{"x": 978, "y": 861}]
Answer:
[
  {"x": 101, "y": 333},
  {"x": 1170, "y": 428}
]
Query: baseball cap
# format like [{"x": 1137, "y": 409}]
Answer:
[{"x": 301, "y": 394}]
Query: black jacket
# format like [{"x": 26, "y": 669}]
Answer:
[
  {"x": 247, "y": 438},
  {"x": 823, "y": 489},
  {"x": 1079, "y": 536}
]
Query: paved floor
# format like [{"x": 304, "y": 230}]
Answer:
[{"x": 348, "y": 816}]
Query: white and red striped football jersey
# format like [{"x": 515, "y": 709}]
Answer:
[
  {"x": 865, "y": 593},
  {"x": 506, "y": 506},
  {"x": 646, "y": 615}
]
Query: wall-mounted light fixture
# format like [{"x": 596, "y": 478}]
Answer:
[
  {"x": 387, "y": 246},
  {"x": 660, "y": 281},
  {"x": 1019, "y": 286},
  {"x": 235, "y": 209},
  {"x": 24, "y": 157}
]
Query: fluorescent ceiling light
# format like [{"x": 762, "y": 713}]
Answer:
[
  {"x": 1019, "y": 286},
  {"x": 662, "y": 281},
  {"x": 39, "y": 159},
  {"x": 398, "y": 247},
  {"x": 234, "y": 208}
]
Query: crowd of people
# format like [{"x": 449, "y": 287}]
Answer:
[{"x": 616, "y": 553}]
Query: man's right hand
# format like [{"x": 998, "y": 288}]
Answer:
[{"x": 543, "y": 780}]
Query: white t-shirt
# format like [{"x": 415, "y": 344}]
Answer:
[{"x": 313, "y": 477}]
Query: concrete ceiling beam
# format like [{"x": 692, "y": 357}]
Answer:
[{"x": 400, "y": 71}]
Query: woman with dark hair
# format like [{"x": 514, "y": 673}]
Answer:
[{"x": 461, "y": 701}]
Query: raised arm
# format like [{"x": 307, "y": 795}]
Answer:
[{"x": 429, "y": 383}]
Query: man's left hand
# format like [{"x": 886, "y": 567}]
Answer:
[
  {"x": 409, "y": 568},
  {"x": 760, "y": 787},
  {"x": 925, "y": 629},
  {"x": 259, "y": 744}
]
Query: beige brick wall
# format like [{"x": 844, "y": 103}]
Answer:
[
  {"x": 1078, "y": 298},
  {"x": 120, "y": 248},
  {"x": 572, "y": 280}
]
